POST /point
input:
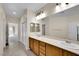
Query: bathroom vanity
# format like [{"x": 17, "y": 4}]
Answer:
[{"x": 44, "y": 46}]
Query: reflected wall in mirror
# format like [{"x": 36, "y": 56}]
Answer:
[
  {"x": 37, "y": 27},
  {"x": 32, "y": 27}
]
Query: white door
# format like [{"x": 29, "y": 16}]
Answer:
[{"x": 24, "y": 33}]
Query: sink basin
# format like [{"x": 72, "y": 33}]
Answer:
[
  {"x": 70, "y": 45},
  {"x": 65, "y": 44}
]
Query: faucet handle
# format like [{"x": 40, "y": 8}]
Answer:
[{"x": 67, "y": 41}]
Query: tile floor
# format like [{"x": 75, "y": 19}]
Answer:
[{"x": 16, "y": 48}]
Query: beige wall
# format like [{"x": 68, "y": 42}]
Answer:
[
  {"x": 57, "y": 26},
  {"x": 2, "y": 29},
  {"x": 30, "y": 17},
  {"x": 26, "y": 19},
  {"x": 23, "y": 20}
]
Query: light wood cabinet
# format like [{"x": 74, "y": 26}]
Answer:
[
  {"x": 31, "y": 44},
  {"x": 44, "y": 49},
  {"x": 36, "y": 47},
  {"x": 53, "y": 51},
  {"x": 67, "y": 53}
]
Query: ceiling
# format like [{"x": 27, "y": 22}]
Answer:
[{"x": 18, "y": 8}]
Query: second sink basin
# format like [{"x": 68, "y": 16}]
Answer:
[{"x": 70, "y": 45}]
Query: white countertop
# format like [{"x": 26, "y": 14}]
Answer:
[{"x": 72, "y": 47}]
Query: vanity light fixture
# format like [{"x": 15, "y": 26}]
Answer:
[
  {"x": 37, "y": 14},
  {"x": 42, "y": 15}
]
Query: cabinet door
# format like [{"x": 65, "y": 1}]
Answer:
[
  {"x": 53, "y": 51},
  {"x": 31, "y": 44},
  {"x": 67, "y": 53},
  {"x": 42, "y": 49},
  {"x": 36, "y": 47}
]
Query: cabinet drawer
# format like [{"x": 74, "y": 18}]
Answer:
[
  {"x": 42, "y": 44},
  {"x": 42, "y": 51},
  {"x": 41, "y": 54},
  {"x": 43, "y": 48}
]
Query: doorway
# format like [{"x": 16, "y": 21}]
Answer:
[
  {"x": 43, "y": 29},
  {"x": 12, "y": 33},
  {"x": 24, "y": 33}
]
